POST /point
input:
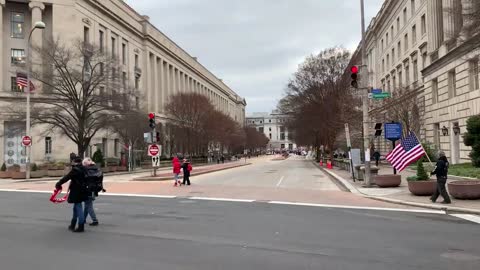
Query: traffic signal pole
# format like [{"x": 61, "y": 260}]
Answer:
[{"x": 364, "y": 88}]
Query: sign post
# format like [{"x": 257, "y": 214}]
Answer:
[
  {"x": 393, "y": 132},
  {"x": 26, "y": 141},
  {"x": 154, "y": 150},
  {"x": 349, "y": 146}
]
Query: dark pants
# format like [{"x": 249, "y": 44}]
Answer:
[
  {"x": 441, "y": 190},
  {"x": 88, "y": 210},
  {"x": 78, "y": 214},
  {"x": 376, "y": 162},
  {"x": 186, "y": 179}
]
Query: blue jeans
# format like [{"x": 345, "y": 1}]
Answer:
[
  {"x": 88, "y": 210},
  {"x": 176, "y": 177},
  {"x": 78, "y": 214}
]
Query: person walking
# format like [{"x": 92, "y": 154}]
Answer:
[
  {"x": 187, "y": 167},
  {"x": 94, "y": 179},
  {"x": 176, "y": 171},
  {"x": 441, "y": 171},
  {"x": 78, "y": 193},
  {"x": 376, "y": 156}
]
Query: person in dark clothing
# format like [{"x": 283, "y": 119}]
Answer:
[
  {"x": 222, "y": 159},
  {"x": 376, "y": 156},
  {"x": 187, "y": 167},
  {"x": 77, "y": 195},
  {"x": 94, "y": 180},
  {"x": 441, "y": 171}
]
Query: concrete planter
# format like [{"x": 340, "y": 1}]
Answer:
[
  {"x": 388, "y": 180},
  {"x": 55, "y": 173},
  {"x": 19, "y": 175},
  {"x": 113, "y": 168},
  {"x": 38, "y": 174},
  {"x": 422, "y": 188},
  {"x": 465, "y": 190},
  {"x": 5, "y": 174},
  {"x": 121, "y": 169}
]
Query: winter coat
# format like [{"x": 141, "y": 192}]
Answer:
[
  {"x": 76, "y": 176},
  {"x": 176, "y": 165},
  {"x": 441, "y": 169},
  {"x": 185, "y": 166}
]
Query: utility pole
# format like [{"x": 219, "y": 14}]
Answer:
[{"x": 364, "y": 88}]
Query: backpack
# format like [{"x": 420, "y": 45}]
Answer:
[
  {"x": 93, "y": 179},
  {"x": 189, "y": 168}
]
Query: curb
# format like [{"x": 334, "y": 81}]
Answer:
[
  {"x": 164, "y": 178},
  {"x": 447, "y": 209},
  {"x": 341, "y": 183}
]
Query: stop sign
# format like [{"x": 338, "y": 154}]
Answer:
[
  {"x": 26, "y": 140},
  {"x": 153, "y": 150}
]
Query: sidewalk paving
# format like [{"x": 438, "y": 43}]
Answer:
[{"x": 401, "y": 194}]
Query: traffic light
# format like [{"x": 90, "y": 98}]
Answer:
[
  {"x": 354, "y": 75},
  {"x": 378, "y": 129},
  {"x": 151, "y": 120}
]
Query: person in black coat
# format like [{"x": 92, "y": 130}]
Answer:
[
  {"x": 78, "y": 194},
  {"x": 186, "y": 172},
  {"x": 441, "y": 171}
]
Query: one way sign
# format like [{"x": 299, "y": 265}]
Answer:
[{"x": 156, "y": 161}]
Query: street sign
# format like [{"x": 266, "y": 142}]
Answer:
[
  {"x": 26, "y": 140},
  {"x": 147, "y": 137},
  {"x": 381, "y": 95},
  {"x": 154, "y": 150},
  {"x": 347, "y": 135},
  {"x": 393, "y": 131},
  {"x": 156, "y": 161},
  {"x": 376, "y": 91}
]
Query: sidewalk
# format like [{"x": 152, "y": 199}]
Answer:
[
  {"x": 168, "y": 175},
  {"x": 401, "y": 194}
]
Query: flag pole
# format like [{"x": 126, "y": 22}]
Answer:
[{"x": 431, "y": 163}]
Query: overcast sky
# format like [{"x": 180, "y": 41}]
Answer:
[{"x": 256, "y": 45}]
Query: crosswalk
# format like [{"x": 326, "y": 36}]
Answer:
[{"x": 469, "y": 217}]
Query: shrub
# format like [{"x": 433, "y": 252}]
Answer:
[
  {"x": 431, "y": 150},
  {"x": 34, "y": 167},
  {"x": 98, "y": 158},
  {"x": 472, "y": 139},
  {"x": 4, "y": 167},
  {"x": 412, "y": 178},
  {"x": 421, "y": 174}
]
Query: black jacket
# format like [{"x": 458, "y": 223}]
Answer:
[
  {"x": 441, "y": 169},
  {"x": 186, "y": 172},
  {"x": 76, "y": 176}
]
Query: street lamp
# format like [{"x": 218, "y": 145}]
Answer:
[
  {"x": 36, "y": 25},
  {"x": 445, "y": 131},
  {"x": 456, "y": 129}
]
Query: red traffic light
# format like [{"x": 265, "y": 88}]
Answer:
[
  {"x": 354, "y": 69},
  {"x": 151, "y": 115}
]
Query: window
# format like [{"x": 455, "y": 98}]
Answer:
[
  {"x": 452, "y": 84},
  {"x": 269, "y": 129},
  {"x": 14, "y": 85},
  {"x": 473, "y": 74},
  {"x": 391, "y": 31},
  {"x": 17, "y": 21},
  {"x": 414, "y": 34},
  {"x": 124, "y": 80},
  {"x": 412, "y": 7},
  {"x": 383, "y": 65},
  {"x": 124, "y": 53},
  {"x": 388, "y": 61},
  {"x": 136, "y": 60},
  {"x": 399, "y": 48},
  {"x": 404, "y": 16},
  {"x": 434, "y": 91},
  {"x": 436, "y": 135},
  {"x": 137, "y": 83},
  {"x": 393, "y": 55},
  {"x": 400, "y": 78},
  {"x": 86, "y": 34},
  {"x": 415, "y": 70},
  {"x": 407, "y": 75},
  {"x": 398, "y": 24},
  {"x": 261, "y": 122},
  {"x": 260, "y": 129},
  {"x": 424, "y": 25},
  {"x": 113, "y": 46},
  {"x": 18, "y": 56},
  {"x": 386, "y": 39},
  {"x": 104, "y": 147},
  {"x": 270, "y": 136},
  {"x": 424, "y": 59},
  {"x": 269, "y": 120},
  {"x": 117, "y": 147},
  {"x": 406, "y": 42},
  {"x": 102, "y": 68},
  {"x": 101, "y": 42},
  {"x": 48, "y": 145},
  {"x": 394, "y": 81},
  {"x": 383, "y": 46}
]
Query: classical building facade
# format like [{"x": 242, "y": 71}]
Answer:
[
  {"x": 156, "y": 66},
  {"x": 273, "y": 126},
  {"x": 414, "y": 46}
]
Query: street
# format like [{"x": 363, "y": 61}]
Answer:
[{"x": 184, "y": 232}]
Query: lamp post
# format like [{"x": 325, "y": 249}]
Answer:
[{"x": 37, "y": 25}]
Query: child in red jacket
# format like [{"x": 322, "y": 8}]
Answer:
[{"x": 176, "y": 170}]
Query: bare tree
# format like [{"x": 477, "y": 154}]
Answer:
[
  {"x": 81, "y": 85},
  {"x": 403, "y": 108}
]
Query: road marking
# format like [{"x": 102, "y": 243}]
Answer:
[
  {"x": 26, "y": 191},
  {"x": 280, "y": 181},
  {"x": 219, "y": 199},
  {"x": 472, "y": 218},
  {"x": 360, "y": 207},
  {"x": 139, "y": 195}
]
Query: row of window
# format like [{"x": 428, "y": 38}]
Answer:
[
  {"x": 413, "y": 34},
  {"x": 473, "y": 81},
  {"x": 402, "y": 74},
  {"x": 116, "y": 146}
]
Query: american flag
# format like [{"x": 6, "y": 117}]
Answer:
[
  {"x": 22, "y": 81},
  {"x": 406, "y": 152}
]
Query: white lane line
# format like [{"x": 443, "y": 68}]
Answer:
[
  {"x": 26, "y": 191},
  {"x": 472, "y": 218},
  {"x": 280, "y": 181},
  {"x": 102, "y": 194},
  {"x": 219, "y": 199},
  {"x": 360, "y": 207}
]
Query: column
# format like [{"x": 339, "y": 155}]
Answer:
[
  {"x": 162, "y": 85},
  {"x": 434, "y": 24},
  {"x": 151, "y": 79},
  {"x": 452, "y": 18},
  {"x": 2, "y": 81},
  {"x": 166, "y": 74},
  {"x": 156, "y": 83},
  {"x": 467, "y": 8}
]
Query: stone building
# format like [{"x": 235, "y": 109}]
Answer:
[
  {"x": 156, "y": 66},
  {"x": 273, "y": 126},
  {"x": 422, "y": 47}
]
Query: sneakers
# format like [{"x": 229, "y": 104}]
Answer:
[
  {"x": 444, "y": 202},
  {"x": 95, "y": 223},
  {"x": 81, "y": 228}
]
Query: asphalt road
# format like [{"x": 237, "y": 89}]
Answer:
[{"x": 152, "y": 233}]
